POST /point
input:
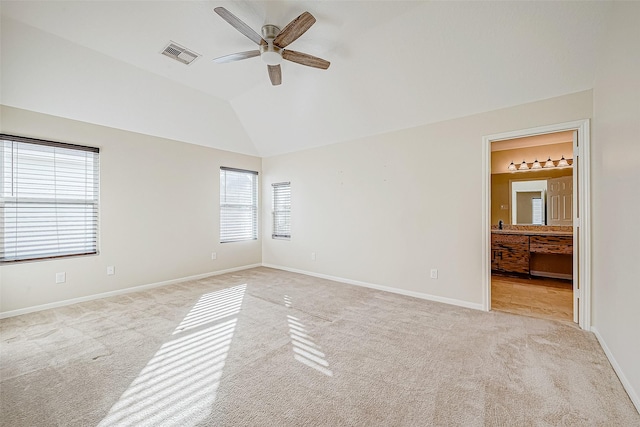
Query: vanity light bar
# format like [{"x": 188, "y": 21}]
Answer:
[{"x": 536, "y": 165}]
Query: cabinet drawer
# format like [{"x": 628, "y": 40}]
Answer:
[
  {"x": 552, "y": 244},
  {"x": 510, "y": 253},
  {"x": 509, "y": 239}
]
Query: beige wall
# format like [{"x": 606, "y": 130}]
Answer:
[
  {"x": 501, "y": 190},
  {"x": 533, "y": 141},
  {"x": 385, "y": 209},
  {"x": 159, "y": 214},
  {"x": 616, "y": 205}
]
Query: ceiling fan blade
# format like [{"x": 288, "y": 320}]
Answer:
[
  {"x": 237, "y": 56},
  {"x": 305, "y": 59},
  {"x": 294, "y": 29},
  {"x": 275, "y": 74},
  {"x": 239, "y": 25}
]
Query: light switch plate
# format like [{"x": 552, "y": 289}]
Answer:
[{"x": 61, "y": 277}]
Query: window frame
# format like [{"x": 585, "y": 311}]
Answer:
[
  {"x": 278, "y": 211},
  {"x": 253, "y": 207},
  {"x": 91, "y": 203}
]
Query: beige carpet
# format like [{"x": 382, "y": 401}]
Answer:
[{"x": 264, "y": 347}]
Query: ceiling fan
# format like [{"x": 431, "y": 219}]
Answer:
[{"x": 272, "y": 44}]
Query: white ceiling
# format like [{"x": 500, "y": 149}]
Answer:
[{"x": 393, "y": 65}]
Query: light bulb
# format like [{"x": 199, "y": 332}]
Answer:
[{"x": 549, "y": 163}]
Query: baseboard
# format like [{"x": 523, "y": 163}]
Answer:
[
  {"x": 420, "y": 295},
  {"x": 616, "y": 367},
  {"x": 551, "y": 275},
  {"x": 57, "y": 304}
]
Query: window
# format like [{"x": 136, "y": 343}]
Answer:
[
  {"x": 48, "y": 199},
  {"x": 281, "y": 210},
  {"x": 537, "y": 213},
  {"x": 238, "y": 205}
]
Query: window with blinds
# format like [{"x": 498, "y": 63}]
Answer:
[
  {"x": 281, "y": 210},
  {"x": 537, "y": 211},
  {"x": 48, "y": 199},
  {"x": 238, "y": 205}
]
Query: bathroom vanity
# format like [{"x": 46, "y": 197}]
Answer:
[{"x": 533, "y": 250}]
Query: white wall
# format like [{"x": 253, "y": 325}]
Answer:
[
  {"x": 616, "y": 205},
  {"x": 384, "y": 210},
  {"x": 159, "y": 214}
]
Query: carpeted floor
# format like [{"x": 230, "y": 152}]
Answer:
[{"x": 264, "y": 347}]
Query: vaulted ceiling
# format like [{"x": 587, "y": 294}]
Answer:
[{"x": 394, "y": 65}]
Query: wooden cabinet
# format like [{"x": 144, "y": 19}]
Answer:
[
  {"x": 551, "y": 256},
  {"x": 510, "y": 253},
  {"x": 535, "y": 254},
  {"x": 552, "y": 244}
]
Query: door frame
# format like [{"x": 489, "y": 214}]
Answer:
[{"x": 583, "y": 226}]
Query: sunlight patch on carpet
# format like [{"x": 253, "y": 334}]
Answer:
[
  {"x": 178, "y": 385},
  {"x": 305, "y": 349}
]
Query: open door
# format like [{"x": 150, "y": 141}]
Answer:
[
  {"x": 576, "y": 229},
  {"x": 581, "y": 202}
]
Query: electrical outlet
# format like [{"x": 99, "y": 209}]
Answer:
[
  {"x": 434, "y": 273},
  {"x": 214, "y": 255},
  {"x": 61, "y": 277},
  {"x": 111, "y": 270},
  {"x": 313, "y": 256}
]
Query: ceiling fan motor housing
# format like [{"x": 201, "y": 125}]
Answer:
[{"x": 270, "y": 53}]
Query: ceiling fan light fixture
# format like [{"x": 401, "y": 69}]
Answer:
[{"x": 270, "y": 54}]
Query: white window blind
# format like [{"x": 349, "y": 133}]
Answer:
[
  {"x": 281, "y": 210},
  {"x": 48, "y": 199},
  {"x": 238, "y": 205},
  {"x": 537, "y": 212}
]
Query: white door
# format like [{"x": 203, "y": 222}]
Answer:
[
  {"x": 576, "y": 228},
  {"x": 560, "y": 201}
]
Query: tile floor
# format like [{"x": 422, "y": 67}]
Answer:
[{"x": 537, "y": 297}]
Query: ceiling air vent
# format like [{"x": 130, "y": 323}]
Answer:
[{"x": 179, "y": 53}]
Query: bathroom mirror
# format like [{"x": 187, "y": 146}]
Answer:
[{"x": 528, "y": 202}]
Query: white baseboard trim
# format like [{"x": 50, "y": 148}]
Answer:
[
  {"x": 420, "y": 295},
  {"x": 551, "y": 275},
  {"x": 616, "y": 367},
  {"x": 57, "y": 304}
]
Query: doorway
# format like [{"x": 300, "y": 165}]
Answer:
[{"x": 524, "y": 251}]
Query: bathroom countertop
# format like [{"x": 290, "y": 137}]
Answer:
[{"x": 533, "y": 232}]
